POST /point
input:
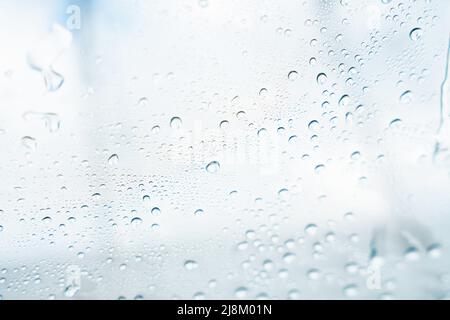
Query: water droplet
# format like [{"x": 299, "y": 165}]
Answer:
[
  {"x": 293, "y": 75},
  {"x": 294, "y": 294},
  {"x": 190, "y": 265},
  {"x": 176, "y": 123},
  {"x": 156, "y": 129},
  {"x": 50, "y": 120},
  {"x": 156, "y": 211},
  {"x": 199, "y": 212},
  {"x": 351, "y": 267},
  {"x": 321, "y": 78},
  {"x": 143, "y": 102},
  {"x": 313, "y": 274},
  {"x": 412, "y": 254},
  {"x": 29, "y": 142},
  {"x": 53, "y": 80},
  {"x": 395, "y": 123},
  {"x": 262, "y": 133},
  {"x": 240, "y": 115},
  {"x": 293, "y": 139},
  {"x": 71, "y": 290},
  {"x": 311, "y": 229},
  {"x": 241, "y": 292},
  {"x": 283, "y": 194},
  {"x": 313, "y": 125},
  {"x": 406, "y": 97},
  {"x": 416, "y": 34},
  {"x": 355, "y": 155},
  {"x": 46, "y": 52},
  {"x": 96, "y": 196},
  {"x": 213, "y": 167},
  {"x": 319, "y": 168},
  {"x": 241, "y": 246},
  {"x": 289, "y": 257},
  {"x": 136, "y": 221},
  {"x": 113, "y": 160},
  {"x": 344, "y": 101},
  {"x": 224, "y": 125},
  {"x": 351, "y": 290},
  {"x": 155, "y": 227},
  {"x": 434, "y": 250}
]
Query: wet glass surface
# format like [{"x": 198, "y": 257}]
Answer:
[{"x": 224, "y": 149}]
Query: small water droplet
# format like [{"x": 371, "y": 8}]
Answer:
[
  {"x": 136, "y": 221},
  {"x": 156, "y": 211},
  {"x": 289, "y": 257},
  {"x": 406, "y": 97},
  {"x": 395, "y": 123},
  {"x": 176, "y": 123},
  {"x": 434, "y": 251},
  {"x": 53, "y": 80},
  {"x": 416, "y": 34},
  {"x": 190, "y": 265},
  {"x": 283, "y": 194},
  {"x": 263, "y": 92},
  {"x": 199, "y": 212},
  {"x": 351, "y": 290},
  {"x": 344, "y": 101},
  {"x": 355, "y": 155},
  {"x": 412, "y": 254},
  {"x": 213, "y": 167},
  {"x": 143, "y": 102},
  {"x": 293, "y": 75},
  {"x": 321, "y": 78},
  {"x": 156, "y": 129},
  {"x": 224, "y": 125},
  {"x": 29, "y": 142},
  {"x": 313, "y": 274},
  {"x": 113, "y": 160},
  {"x": 313, "y": 125},
  {"x": 311, "y": 229},
  {"x": 241, "y": 292},
  {"x": 319, "y": 168}
]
